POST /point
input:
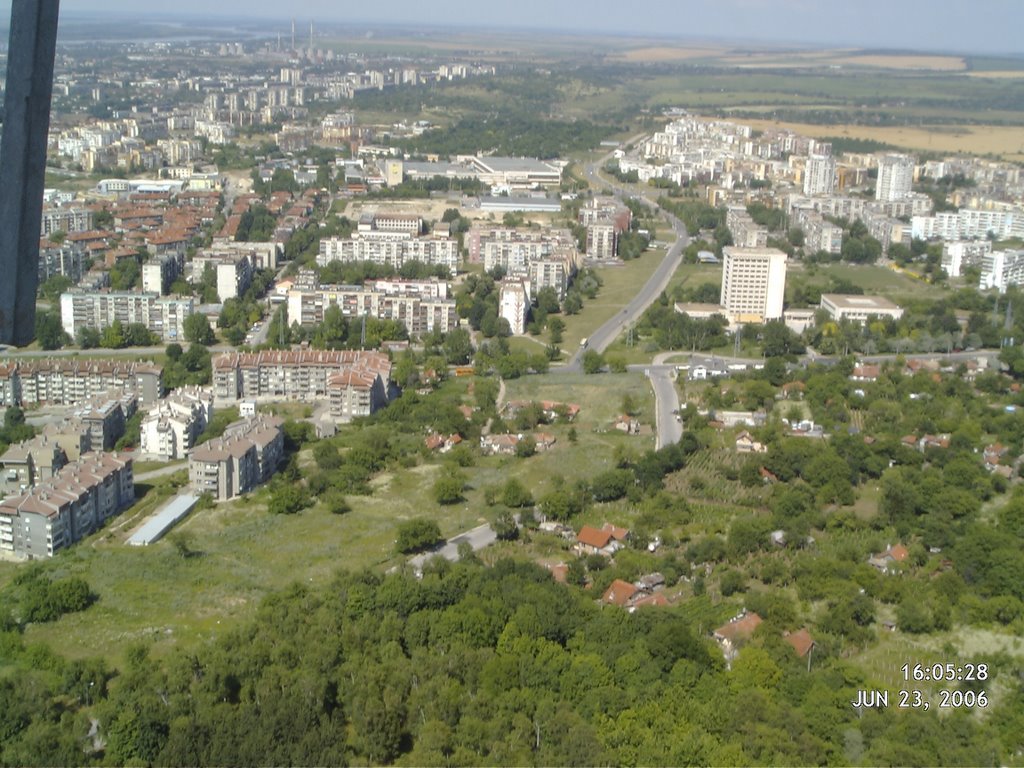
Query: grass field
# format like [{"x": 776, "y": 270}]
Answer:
[
  {"x": 873, "y": 279},
  {"x": 621, "y": 284},
  {"x": 156, "y": 594},
  {"x": 241, "y": 552},
  {"x": 695, "y": 275}
]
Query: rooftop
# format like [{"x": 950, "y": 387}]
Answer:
[
  {"x": 158, "y": 524},
  {"x": 843, "y": 301}
]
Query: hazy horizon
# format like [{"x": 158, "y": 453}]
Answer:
[{"x": 984, "y": 26}]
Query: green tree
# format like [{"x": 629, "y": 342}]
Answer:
[
  {"x": 556, "y": 326},
  {"x": 326, "y": 455},
  {"x": 87, "y": 338},
  {"x": 197, "y": 329},
  {"x": 417, "y": 535},
  {"x": 560, "y": 504},
  {"x": 611, "y": 485},
  {"x": 138, "y": 335},
  {"x": 54, "y": 287},
  {"x": 458, "y": 346},
  {"x": 288, "y": 499},
  {"x": 113, "y": 336},
  {"x": 547, "y": 301},
  {"x": 515, "y": 494},
  {"x": 505, "y": 526},
  {"x": 593, "y": 361},
  {"x": 448, "y": 488},
  {"x": 49, "y": 331}
]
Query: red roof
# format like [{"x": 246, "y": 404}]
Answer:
[
  {"x": 560, "y": 573},
  {"x": 657, "y": 600},
  {"x": 898, "y": 553},
  {"x": 742, "y": 628},
  {"x": 619, "y": 593},
  {"x": 801, "y": 641},
  {"x": 619, "y": 534},
  {"x": 593, "y": 537}
]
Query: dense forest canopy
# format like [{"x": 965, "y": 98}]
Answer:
[{"x": 468, "y": 666}]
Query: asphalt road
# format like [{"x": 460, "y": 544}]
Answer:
[
  {"x": 479, "y": 537},
  {"x": 658, "y": 282},
  {"x": 666, "y": 405}
]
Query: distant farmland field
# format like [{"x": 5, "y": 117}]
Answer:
[{"x": 1005, "y": 141}]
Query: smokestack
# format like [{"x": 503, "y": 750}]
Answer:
[
  {"x": 311, "y": 38},
  {"x": 293, "y": 34}
]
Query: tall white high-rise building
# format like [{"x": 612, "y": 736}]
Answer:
[
  {"x": 820, "y": 175},
  {"x": 895, "y": 177},
  {"x": 753, "y": 284},
  {"x": 514, "y": 304}
]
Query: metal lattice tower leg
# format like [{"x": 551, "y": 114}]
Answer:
[{"x": 30, "y": 56}]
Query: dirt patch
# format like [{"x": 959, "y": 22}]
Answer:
[
  {"x": 935, "y": 63},
  {"x": 1009, "y": 74},
  {"x": 665, "y": 53}
]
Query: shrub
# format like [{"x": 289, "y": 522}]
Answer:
[
  {"x": 515, "y": 494},
  {"x": 448, "y": 488},
  {"x": 417, "y": 535},
  {"x": 288, "y": 499}
]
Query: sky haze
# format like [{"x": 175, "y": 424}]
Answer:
[{"x": 980, "y": 26}]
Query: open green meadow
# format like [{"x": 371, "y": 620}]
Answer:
[
  {"x": 212, "y": 570},
  {"x": 880, "y": 280},
  {"x": 621, "y": 284}
]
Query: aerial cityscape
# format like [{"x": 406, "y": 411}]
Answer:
[{"x": 525, "y": 386}]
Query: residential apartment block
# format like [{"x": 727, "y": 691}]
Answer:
[
  {"x": 605, "y": 219},
  {"x": 246, "y": 456},
  {"x": 753, "y": 283},
  {"x": 28, "y": 463},
  {"x": 355, "y": 383},
  {"x": 161, "y": 271},
  {"x": 259, "y": 255},
  {"x": 66, "y": 220},
  {"x": 392, "y": 239},
  {"x": 164, "y": 316},
  {"x": 606, "y": 209},
  {"x": 895, "y": 177},
  {"x": 746, "y": 233},
  {"x": 172, "y": 425},
  {"x": 545, "y": 259},
  {"x": 971, "y": 224},
  {"x": 422, "y": 306},
  {"x": 514, "y": 304},
  {"x": 63, "y": 510},
  {"x": 392, "y": 249},
  {"x": 820, "y": 175},
  {"x": 63, "y": 259},
  {"x": 602, "y": 239},
  {"x": 819, "y": 233},
  {"x": 1001, "y": 269},
  {"x": 102, "y": 419},
  {"x": 66, "y": 381},
  {"x": 887, "y": 230},
  {"x": 959, "y": 254}
]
